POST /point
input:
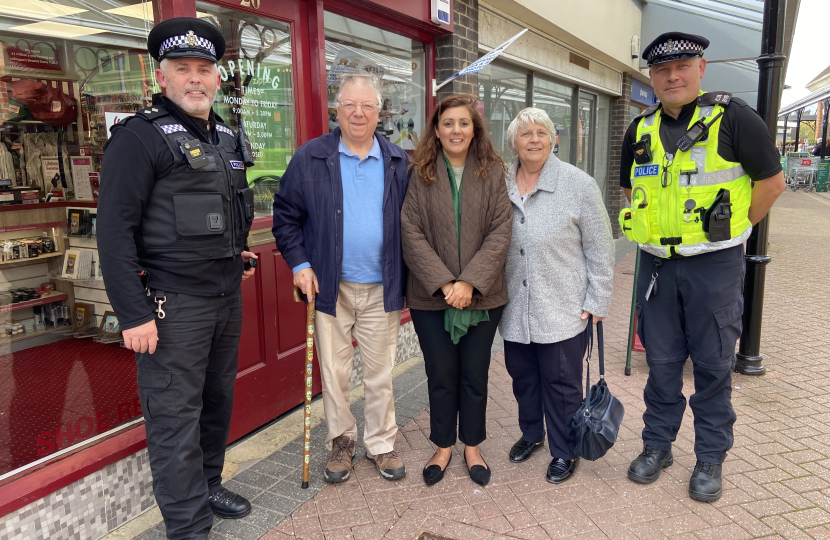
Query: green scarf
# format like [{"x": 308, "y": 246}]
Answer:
[{"x": 458, "y": 321}]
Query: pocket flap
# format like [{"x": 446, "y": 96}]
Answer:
[
  {"x": 729, "y": 314},
  {"x": 154, "y": 379},
  {"x": 198, "y": 214}
]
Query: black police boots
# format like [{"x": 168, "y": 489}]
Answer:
[
  {"x": 646, "y": 468},
  {"x": 705, "y": 484},
  {"x": 229, "y": 505},
  {"x": 522, "y": 450}
]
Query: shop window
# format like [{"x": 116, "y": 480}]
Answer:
[
  {"x": 355, "y": 47},
  {"x": 503, "y": 93},
  {"x": 69, "y": 69},
  {"x": 556, "y": 99},
  {"x": 257, "y": 90}
]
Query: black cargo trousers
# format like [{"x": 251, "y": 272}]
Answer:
[
  {"x": 696, "y": 313},
  {"x": 186, "y": 390}
]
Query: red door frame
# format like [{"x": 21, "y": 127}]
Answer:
[{"x": 308, "y": 50}]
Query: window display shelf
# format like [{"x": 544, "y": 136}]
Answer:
[
  {"x": 32, "y": 259},
  {"x": 46, "y": 299},
  {"x": 29, "y": 335}
]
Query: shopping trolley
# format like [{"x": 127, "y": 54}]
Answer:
[{"x": 801, "y": 171}]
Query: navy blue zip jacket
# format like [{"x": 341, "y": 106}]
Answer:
[{"x": 308, "y": 218}]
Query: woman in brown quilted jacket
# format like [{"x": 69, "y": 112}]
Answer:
[{"x": 456, "y": 224}]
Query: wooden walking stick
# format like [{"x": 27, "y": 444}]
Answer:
[{"x": 307, "y": 378}]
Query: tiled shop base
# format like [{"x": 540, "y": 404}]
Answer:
[
  {"x": 97, "y": 504},
  {"x": 88, "y": 508}
]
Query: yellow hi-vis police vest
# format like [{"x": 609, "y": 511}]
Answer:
[{"x": 670, "y": 194}]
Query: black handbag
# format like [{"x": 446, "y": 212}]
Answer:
[{"x": 595, "y": 425}]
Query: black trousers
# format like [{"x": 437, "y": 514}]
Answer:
[
  {"x": 547, "y": 383},
  {"x": 186, "y": 389},
  {"x": 456, "y": 377},
  {"x": 696, "y": 312}
]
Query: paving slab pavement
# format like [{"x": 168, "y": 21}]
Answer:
[{"x": 776, "y": 478}]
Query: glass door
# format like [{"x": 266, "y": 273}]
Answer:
[{"x": 585, "y": 128}]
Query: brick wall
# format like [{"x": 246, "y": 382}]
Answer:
[
  {"x": 619, "y": 123},
  {"x": 457, "y": 50}
]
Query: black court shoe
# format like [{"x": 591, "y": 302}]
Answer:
[
  {"x": 229, "y": 505},
  {"x": 560, "y": 470},
  {"x": 434, "y": 473},
  {"x": 480, "y": 474},
  {"x": 522, "y": 450}
]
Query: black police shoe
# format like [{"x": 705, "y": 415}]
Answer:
[
  {"x": 229, "y": 505},
  {"x": 705, "y": 484},
  {"x": 646, "y": 468},
  {"x": 560, "y": 470},
  {"x": 522, "y": 450}
]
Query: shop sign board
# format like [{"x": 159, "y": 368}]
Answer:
[
  {"x": 823, "y": 176},
  {"x": 642, "y": 93},
  {"x": 32, "y": 55},
  {"x": 440, "y": 12}
]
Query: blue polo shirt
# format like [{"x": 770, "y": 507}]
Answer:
[{"x": 362, "y": 181}]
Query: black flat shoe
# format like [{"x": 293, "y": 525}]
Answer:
[
  {"x": 434, "y": 473},
  {"x": 522, "y": 450},
  {"x": 229, "y": 505},
  {"x": 560, "y": 470},
  {"x": 706, "y": 484},
  {"x": 479, "y": 473}
]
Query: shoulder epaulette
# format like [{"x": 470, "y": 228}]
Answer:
[
  {"x": 648, "y": 111},
  {"x": 152, "y": 112},
  {"x": 714, "y": 98},
  {"x": 222, "y": 128}
]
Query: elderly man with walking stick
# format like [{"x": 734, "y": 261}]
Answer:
[{"x": 337, "y": 224}]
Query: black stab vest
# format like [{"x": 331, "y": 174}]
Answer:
[{"x": 195, "y": 214}]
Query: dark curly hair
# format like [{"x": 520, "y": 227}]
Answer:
[{"x": 429, "y": 146}]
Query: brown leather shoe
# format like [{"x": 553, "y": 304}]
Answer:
[
  {"x": 389, "y": 465},
  {"x": 339, "y": 466}
]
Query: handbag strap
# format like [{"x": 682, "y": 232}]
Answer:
[
  {"x": 590, "y": 330},
  {"x": 601, "y": 351}
]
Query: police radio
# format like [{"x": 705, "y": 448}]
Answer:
[
  {"x": 696, "y": 133},
  {"x": 244, "y": 145}
]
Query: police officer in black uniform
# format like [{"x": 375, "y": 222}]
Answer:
[
  {"x": 173, "y": 217},
  {"x": 690, "y": 284}
]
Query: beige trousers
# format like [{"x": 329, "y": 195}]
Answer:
[{"x": 359, "y": 314}]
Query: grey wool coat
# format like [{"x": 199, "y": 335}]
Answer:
[{"x": 561, "y": 256}]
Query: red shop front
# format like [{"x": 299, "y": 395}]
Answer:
[{"x": 68, "y": 396}]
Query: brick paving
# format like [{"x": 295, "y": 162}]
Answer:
[{"x": 776, "y": 478}]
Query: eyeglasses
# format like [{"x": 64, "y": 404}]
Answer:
[
  {"x": 542, "y": 134},
  {"x": 350, "y": 107}
]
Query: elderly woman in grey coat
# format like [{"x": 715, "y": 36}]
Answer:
[{"x": 560, "y": 269}]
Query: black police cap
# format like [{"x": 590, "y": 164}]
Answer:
[
  {"x": 673, "y": 46},
  {"x": 186, "y": 37}
]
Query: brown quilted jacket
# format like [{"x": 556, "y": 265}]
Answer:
[{"x": 430, "y": 248}]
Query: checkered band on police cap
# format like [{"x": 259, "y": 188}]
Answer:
[
  {"x": 673, "y": 47},
  {"x": 189, "y": 41}
]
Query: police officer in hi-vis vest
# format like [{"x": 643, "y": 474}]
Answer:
[
  {"x": 173, "y": 218},
  {"x": 699, "y": 170}
]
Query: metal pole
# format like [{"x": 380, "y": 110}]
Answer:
[
  {"x": 825, "y": 105},
  {"x": 633, "y": 314},
  {"x": 784, "y": 144},
  {"x": 797, "y": 128},
  {"x": 770, "y": 85}
]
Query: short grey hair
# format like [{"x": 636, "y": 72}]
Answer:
[
  {"x": 527, "y": 116},
  {"x": 354, "y": 78}
]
